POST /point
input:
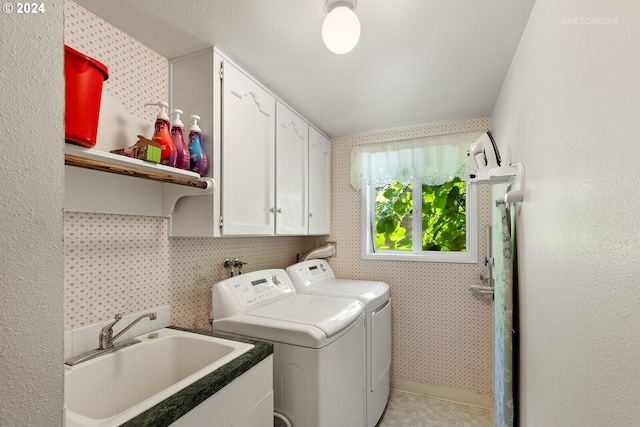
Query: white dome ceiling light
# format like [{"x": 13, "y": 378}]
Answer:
[{"x": 341, "y": 27}]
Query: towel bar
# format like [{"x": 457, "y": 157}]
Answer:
[{"x": 481, "y": 289}]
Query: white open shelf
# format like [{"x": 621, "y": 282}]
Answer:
[
  {"x": 513, "y": 174},
  {"x": 122, "y": 185},
  {"x": 124, "y": 161}
]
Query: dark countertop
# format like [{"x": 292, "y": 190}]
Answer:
[{"x": 169, "y": 410}]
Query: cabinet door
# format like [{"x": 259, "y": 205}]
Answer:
[
  {"x": 292, "y": 157},
  {"x": 319, "y": 183},
  {"x": 248, "y": 138}
]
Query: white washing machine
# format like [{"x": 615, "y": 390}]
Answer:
[
  {"x": 319, "y": 373},
  {"x": 315, "y": 277}
]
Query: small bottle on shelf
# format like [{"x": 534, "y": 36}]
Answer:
[
  {"x": 162, "y": 136},
  {"x": 199, "y": 162},
  {"x": 177, "y": 136}
]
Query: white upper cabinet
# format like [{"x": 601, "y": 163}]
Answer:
[
  {"x": 248, "y": 148},
  {"x": 259, "y": 155},
  {"x": 292, "y": 158},
  {"x": 319, "y": 183}
]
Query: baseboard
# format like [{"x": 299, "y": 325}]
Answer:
[
  {"x": 444, "y": 393},
  {"x": 492, "y": 408}
]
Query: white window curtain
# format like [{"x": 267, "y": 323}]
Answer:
[{"x": 433, "y": 159}]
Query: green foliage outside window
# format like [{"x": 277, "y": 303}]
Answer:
[{"x": 444, "y": 217}]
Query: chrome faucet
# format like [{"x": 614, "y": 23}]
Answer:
[
  {"x": 106, "y": 334},
  {"x": 106, "y": 339}
]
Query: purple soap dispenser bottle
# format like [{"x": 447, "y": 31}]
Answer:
[{"x": 177, "y": 136}]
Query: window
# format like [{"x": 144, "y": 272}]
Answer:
[
  {"x": 416, "y": 204},
  {"x": 442, "y": 228}
]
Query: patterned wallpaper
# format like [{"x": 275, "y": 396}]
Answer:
[
  {"x": 128, "y": 264},
  {"x": 441, "y": 331},
  {"x": 127, "y": 60}
]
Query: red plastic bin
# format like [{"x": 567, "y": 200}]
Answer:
[{"x": 83, "y": 91}]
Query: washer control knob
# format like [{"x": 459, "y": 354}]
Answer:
[
  {"x": 322, "y": 267},
  {"x": 276, "y": 280}
]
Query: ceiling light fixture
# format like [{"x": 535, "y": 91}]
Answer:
[{"x": 341, "y": 27}]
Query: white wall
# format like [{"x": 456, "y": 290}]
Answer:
[
  {"x": 570, "y": 110},
  {"x": 31, "y": 196}
]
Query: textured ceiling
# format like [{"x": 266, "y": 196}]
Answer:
[{"x": 418, "y": 61}]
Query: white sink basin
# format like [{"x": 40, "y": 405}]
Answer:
[{"x": 112, "y": 389}]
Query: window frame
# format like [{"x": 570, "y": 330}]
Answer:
[{"x": 470, "y": 256}]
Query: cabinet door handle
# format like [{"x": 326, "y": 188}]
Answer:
[
  {"x": 272, "y": 209},
  {"x": 310, "y": 214},
  {"x": 279, "y": 210}
]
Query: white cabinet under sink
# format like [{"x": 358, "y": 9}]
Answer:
[
  {"x": 273, "y": 171},
  {"x": 245, "y": 402}
]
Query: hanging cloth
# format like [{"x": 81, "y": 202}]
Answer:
[
  {"x": 503, "y": 306},
  {"x": 433, "y": 159}
]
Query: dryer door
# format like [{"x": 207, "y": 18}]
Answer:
[{"x": 381, "y": 346}]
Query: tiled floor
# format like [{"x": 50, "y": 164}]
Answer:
[{"x": 412, "y": 410}]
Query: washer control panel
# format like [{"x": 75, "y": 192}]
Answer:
[
  {"x": 253, "y": 289},
  {"x": 308, "y": 272},
  {"x": 234, "y": 295}
]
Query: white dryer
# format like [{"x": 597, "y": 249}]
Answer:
[
  {"x": 315, "y": 277},
  {"x": 319, "y": 372}
]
